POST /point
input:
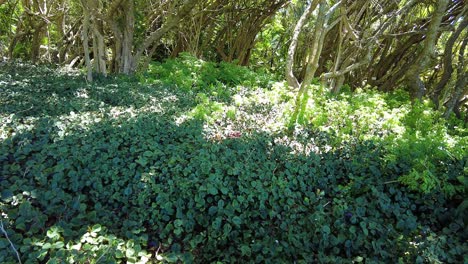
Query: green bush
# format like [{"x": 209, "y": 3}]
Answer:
[
  {"x": 221, "y": 80},
  {"x": 420, "y": 148},
  {"x": 362, "y": 115},
  {"x": 427, "y": 156}
]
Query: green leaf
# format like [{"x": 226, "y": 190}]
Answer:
[
  {"x": 7, "y": 195},
  {"x": 171, "y": 258},
  {"x": 47, "y": 246},
  {"x": 53, "y": 233},
  {"x": 364, "y": 228},
  {"x": 58, "y": 244},
  {"x": 4, "y": 244},
  {"x": 178, "y": 231},
  {"x": 96, "y": 228},
  {"x": 224, "y": 190},
  {"x": 129, "y": 252},
  {"x": 212, "y": 190},
  {"x": 358, "y": 259},
  {"x": 119, "y": 254},
  {"x": 216, "y": 225},
  {"x": 348, "y": 243},
  {"x": 142, "y": 161},
  {"x": 236, "y": 221},
  {"x": 178, "y": 222},
  {"x": 212, "y": 210},
  {"x": 246, "y": 251},
  {"x": 227, "y": 229}
]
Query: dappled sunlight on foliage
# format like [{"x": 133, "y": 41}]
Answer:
[
  {"x": 358, "y": 115},
  {"x": 96, "y": 245},
  {"x": 431, "y": 157},
  {"x": 144, "y": 172},
  {"x": 217, "y": 80},
  {"x": 417, "y": 141}
]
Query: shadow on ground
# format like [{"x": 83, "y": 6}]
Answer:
[
  {"x": 35, "y": 91},
  {"x": 160, "y": 184}
]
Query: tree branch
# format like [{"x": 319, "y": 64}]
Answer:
[
  {"x": 290, "y": 78},
  {"x": 2, "y": 229},
  {"x": 171, "y": 23}
]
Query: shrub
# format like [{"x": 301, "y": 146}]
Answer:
[
  {"x": 427, "y": 156},
  {"x": 420, "y": 149},
  {"x": 220, "y": 80}
]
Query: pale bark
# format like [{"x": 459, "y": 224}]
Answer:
[
  {"x": 127, "y": 43},
  {"x": 100, "y": 55},
  {"x": 316, "y": 47},
  {"x": 405, "y": 9},
  {"x": 346, "y": 68},
  {"x": 122, "y": 41},
  {"x": 350, "y": 30},
  {"x": 95, "y": 51},
  {"x": 38, "y": 33},
  {"x": 242, "y": 29},
  {"x": 19, "y": 33},
  {"x": 99, "y": 48},
  {"x": 448, "y": 68},
  {"x": 461, "y": 88},
  {"x": 312, "y": 65},
  {"x": 412, "y": 75},
  {"x": 116, "y": 63},
  {"x": 335, "y": 86},
  {"x": 85, "y": 39},
  {"x": 290, "y": 78}
]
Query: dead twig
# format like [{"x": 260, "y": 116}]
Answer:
[{"x": 2, "y": 229}]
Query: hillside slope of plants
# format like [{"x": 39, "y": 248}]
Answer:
[{"x": 193, "y": 162}]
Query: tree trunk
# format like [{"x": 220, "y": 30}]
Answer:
[
  {"x": 312, "y": 65},
  {"x": 448, "y": 68},
  {"x": 127, "y": 43},
  {"x": 99, "y": 49},
  {"x": 412, "y": 77},
  {"x": 85, "y": 34},
  {"x": 18, "y": 35},
  {"x": 317, "y": 45},
  {"x": 335, "y": 85},
  {"x": 171, "y": 23},
  {"x": 116, "y": 63},
  {"x": 461, "y": 88},
  {"x": 36, "y": 43},
  {"x": 290, "y": 78}
]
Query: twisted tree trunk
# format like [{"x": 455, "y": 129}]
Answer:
[
  {"x": 461, "y": 88},
  {"x": 290, "y": 78},
  {"x": 155, "y": 36},
  {"x": 412, "y": 76},
  {"x": 448, "y": 68},
  {"x": 85, "y": 38}
]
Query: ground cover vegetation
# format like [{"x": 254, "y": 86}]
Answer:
[{"x": 233, "y": 131}]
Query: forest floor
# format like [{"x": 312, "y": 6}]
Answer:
[{"x": 192, "y": 162}]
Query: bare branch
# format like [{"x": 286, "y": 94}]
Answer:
[
  {"x": 332, "y": 10},
  {"x": 2, "y": 229},
  {"x": 292, "y": 80}
]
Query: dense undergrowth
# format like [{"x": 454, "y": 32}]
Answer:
[{"x": 192, "y": 162}]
